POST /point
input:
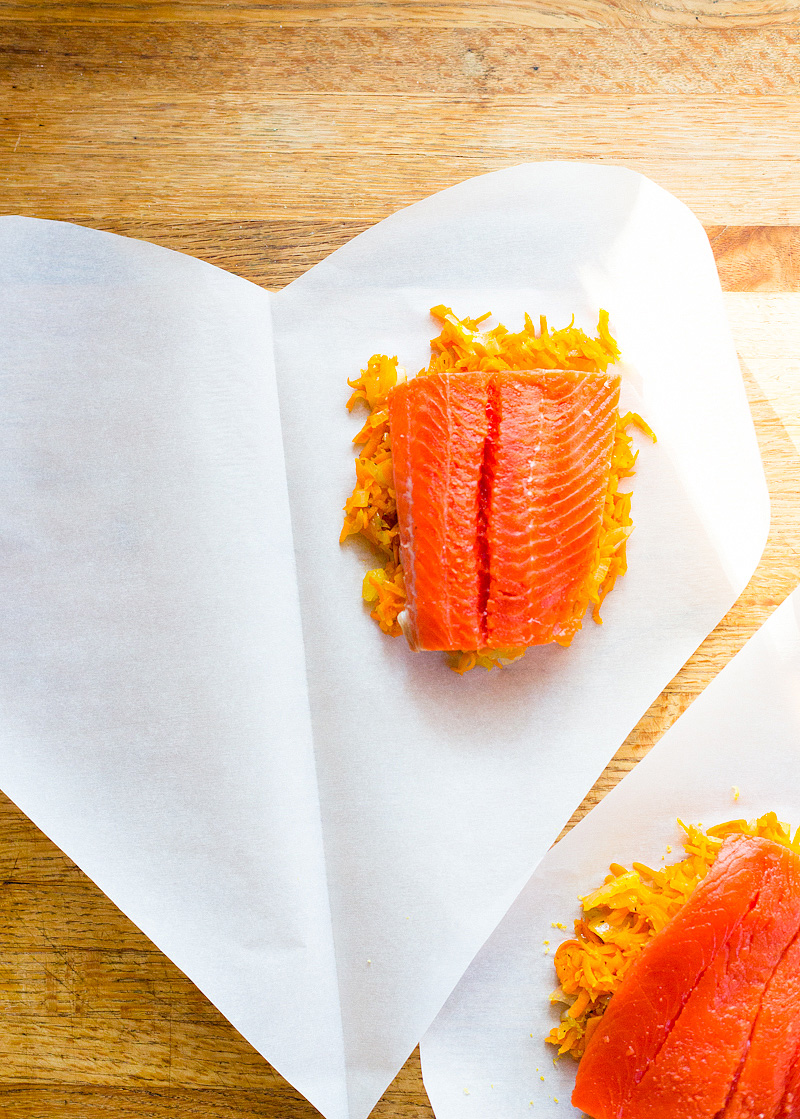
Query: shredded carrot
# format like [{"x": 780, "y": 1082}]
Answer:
[
  {"x": 371, "y": 510},
  {"x": 462, "y": 347},
  {"x": 627, "y": 911},
  {"x": 486, "y": 658}
]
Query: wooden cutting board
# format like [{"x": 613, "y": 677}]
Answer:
[{"x": 260, "y": 137}]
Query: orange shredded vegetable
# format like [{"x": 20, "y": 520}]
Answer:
[
  {"x": 371, "y": 510},
  {"x": 623, "y": 914}
]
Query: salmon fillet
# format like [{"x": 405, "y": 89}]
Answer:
[
  {"x": 500, "y": 482},
  {"x": 676, "y": 1035}
]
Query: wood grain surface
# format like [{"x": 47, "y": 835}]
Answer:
[{"x": 261, "y": 136}]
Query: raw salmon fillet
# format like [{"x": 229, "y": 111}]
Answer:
[
  {"x": 676, "y": 1036},
  {"x": 500, "y": 482}
]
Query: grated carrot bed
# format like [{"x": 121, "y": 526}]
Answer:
[
  {"x": 371, "y": 510},
  {"x": 623, "y": 914}
]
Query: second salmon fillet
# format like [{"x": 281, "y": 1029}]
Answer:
[{"x": 704, "y": 1025}]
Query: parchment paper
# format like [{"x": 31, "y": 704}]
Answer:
[
  {"x": 319, "y": 827},
  {"x": 485, "y": 1055}
]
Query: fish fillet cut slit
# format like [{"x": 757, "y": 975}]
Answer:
[{"x": 485, "y": 484}]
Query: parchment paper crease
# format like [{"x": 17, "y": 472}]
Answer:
[
  {"x": 485, "y": 1055},
  {"x": 319, "y": 827}
]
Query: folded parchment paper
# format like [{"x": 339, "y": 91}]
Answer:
[
  {"x": 485, "y": 1055},
  {"x": 319, "y": 827}
]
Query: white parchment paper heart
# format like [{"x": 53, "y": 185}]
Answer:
[{"x": 319, "y": 827}]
